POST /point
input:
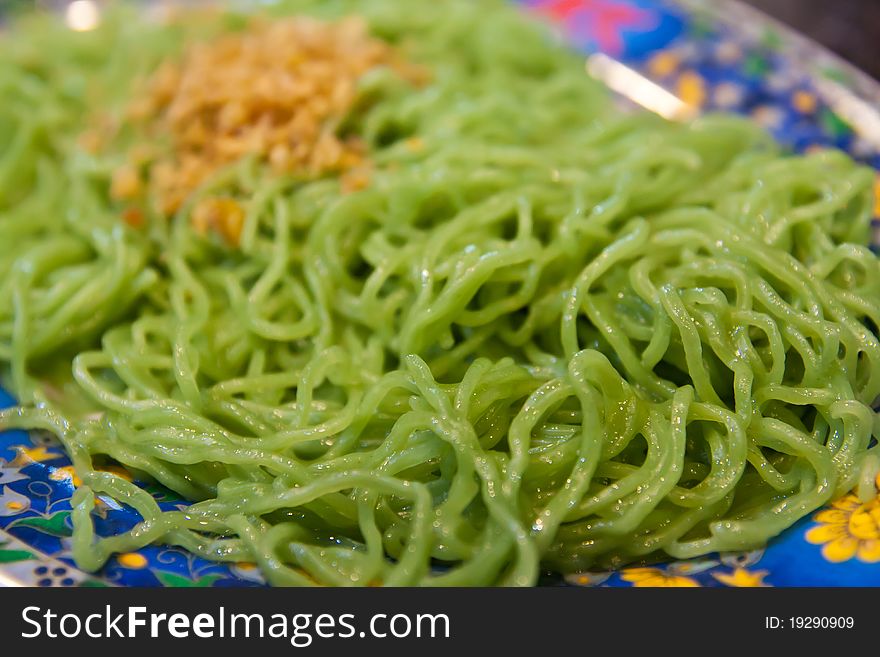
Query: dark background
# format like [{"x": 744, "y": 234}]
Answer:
[{"x": 851, "y": 28}]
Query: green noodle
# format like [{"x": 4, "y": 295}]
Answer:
[{"x": 557, "y": 336}]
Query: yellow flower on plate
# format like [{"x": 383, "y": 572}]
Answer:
[
  {"x": 132, "y": 560},
  {"x": 118, "y": 470},
  {"x": 663, "y": 63},
  {"x": 29, "y": 455},
  {"x": 691, "y": 89},
  {"x": 66, "y": 473},
  {"x": 804, "y": 102},
  {"x": 742, "y": 578},
  {"x": 654, "y": 577},
  {"x": 849, "y": 529},
  {"x": 877, "y": 196}
]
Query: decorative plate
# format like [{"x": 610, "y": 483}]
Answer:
[{"x": 676, "y": 57}]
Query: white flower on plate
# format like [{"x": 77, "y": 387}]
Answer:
[
  {"x": 742, "y": 559},
  {"x": 247, "y": 571},
  {"x": 8, "y": 473},
  {"x": 768, "y": 116},
  {"x": 727, "y": 95},
  {"x": 728, "y": 52},
  {"x": 783, "y": 79},
  {"x": 587, "y": 578},
  {"x": 12, "y": 503},
  {"x": 691, "y": 567},
  {"x": 861, "y": 147}
]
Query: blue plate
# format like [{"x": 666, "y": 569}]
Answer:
[{"x": 676, "y": 57}]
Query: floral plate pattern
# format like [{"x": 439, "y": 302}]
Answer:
[{"x": 705, "y": 57}]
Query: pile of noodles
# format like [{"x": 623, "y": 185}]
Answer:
[{"x": 551, "y": 336}]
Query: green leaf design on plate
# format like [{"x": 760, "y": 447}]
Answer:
[
  {"x": 756, "y": 65},
  {"x": 93, "y": 584},
  {"x": 835, "y": 74},
  {"x": 54, "y": 525},
  {"x": 771, "y": 39},
  {"x": 700, "y": 27},
  {"x": 834, "y": 124},
  {"x": 10, "y": 556},
  {"x": 170, "y": 579}
]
